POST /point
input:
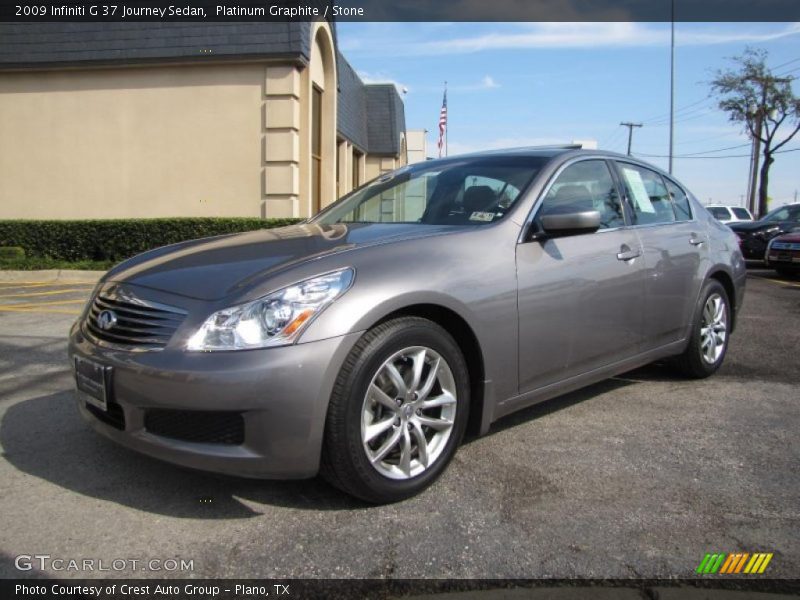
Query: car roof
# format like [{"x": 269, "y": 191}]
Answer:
[
  {"x": 550, "y": 151},
  {"x": 563, "y": 152}
]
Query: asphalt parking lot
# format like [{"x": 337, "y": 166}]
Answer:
[{"x": 638, "y": 476}]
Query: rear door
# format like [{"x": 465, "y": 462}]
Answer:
[
  {"x": 580, "y": 297},
  {"x": 674, "y": 245}
]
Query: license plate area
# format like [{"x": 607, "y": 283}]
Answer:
[{"x": 93, "y": 381}]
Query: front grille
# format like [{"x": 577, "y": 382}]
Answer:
[
  {"x": 785, "y": 246},
  {"x": 113, "y": 416},
  {"x": 209, "y": 427},
  {"x": 130, "y": 322}
]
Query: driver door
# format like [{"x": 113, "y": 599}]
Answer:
[{"x": 580, "y": 297}]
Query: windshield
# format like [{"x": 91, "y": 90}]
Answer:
[
  {"x": 784, "y": 213},
  {"x": 466, "y": 191}
]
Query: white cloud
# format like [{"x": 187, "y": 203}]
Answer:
[
  {"x": 590, "y": 35},
  {"x": 487, "y": 83}
]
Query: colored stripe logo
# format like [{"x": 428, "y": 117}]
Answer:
[{"x": 734, "y": 564}]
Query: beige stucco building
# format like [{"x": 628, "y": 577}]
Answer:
[
  {"x": 417, "y": 145},
  {"x": 122, "y": 120}
]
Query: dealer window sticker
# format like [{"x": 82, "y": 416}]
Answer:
[
  {"x": 481, "y": 216},
  {"x": 636, "y": 186}
]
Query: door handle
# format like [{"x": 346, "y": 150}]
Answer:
[
  {"x": 696, "y": 241},
  {"x": 625, "y": 253}
]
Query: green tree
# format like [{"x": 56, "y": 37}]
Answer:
[{"x": 762, "y": 102}]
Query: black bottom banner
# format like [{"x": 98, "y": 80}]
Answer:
[{"x": 455, "y": 589}]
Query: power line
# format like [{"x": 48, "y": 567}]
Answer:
[
  {"x": 689, "y": 156},
  {"x": 718, "y": 150},
  {"x": 789, "y": 71},
  {"x": 607, "y": 140},
  {"x": 702, "y": 140},
  {"x": 663, "y": 121},
  {"x": 788, "y": 62},
  {"x": 691, "y": 118},
  {"x": 661, "y": 116}
]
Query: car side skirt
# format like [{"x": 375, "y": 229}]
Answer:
[{"x": 580, "y": 381}]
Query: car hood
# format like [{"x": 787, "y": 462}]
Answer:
[
  {"x": 750, "y": 226},
  {"x": 213, "y": 268}
]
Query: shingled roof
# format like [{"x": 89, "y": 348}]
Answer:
[
  {"x": 385, "y": 119},
  {"x": 370, "y": 116},
  {"x": 31, "y": 45},
  {"x": 352, "y": 105}
]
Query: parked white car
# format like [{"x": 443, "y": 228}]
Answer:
[{"x": 729, "y": 214}]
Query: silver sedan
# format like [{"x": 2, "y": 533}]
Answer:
[{"x": 438, "y": 298}]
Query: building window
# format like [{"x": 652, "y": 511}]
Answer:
[{"x": 316, "y": 149}]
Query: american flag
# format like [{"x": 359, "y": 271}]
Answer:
[{"x": 442, "y": 122}]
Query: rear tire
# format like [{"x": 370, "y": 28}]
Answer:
[
  {"x": 710, "y": 333},
  {"x": 397, "y": 413}
]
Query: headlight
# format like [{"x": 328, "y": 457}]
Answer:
[
  {"x": 768, "y": 233},
  {"x": 274, "y": 320}
]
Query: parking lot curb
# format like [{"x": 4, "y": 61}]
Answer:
[{"x": 51, "y": 276}]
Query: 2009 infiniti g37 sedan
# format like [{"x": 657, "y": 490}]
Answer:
[{"x": 445, "y": 295}]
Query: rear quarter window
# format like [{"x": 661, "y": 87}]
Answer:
[
  {"x": 647, "y": 195},
  {"x": 680, "y": 202}
]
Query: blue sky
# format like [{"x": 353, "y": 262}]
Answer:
[{"x": 517, "y": 84}]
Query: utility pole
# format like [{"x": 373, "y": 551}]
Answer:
[
  {"x": 630, "y": 127},
  {"x": 751, "y": 201},
  {"x": 671, "y": 86}
]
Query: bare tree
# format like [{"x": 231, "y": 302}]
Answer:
[{"x": 753, "y": 96}]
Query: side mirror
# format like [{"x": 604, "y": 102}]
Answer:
[{"x": 575, "y": 223}]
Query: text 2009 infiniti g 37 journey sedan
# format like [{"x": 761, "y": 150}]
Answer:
[{"x": 363, "y": 343}]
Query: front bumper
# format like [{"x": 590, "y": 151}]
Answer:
[
  {"x": 281, "y": 394},
  {"x": 785, "y": 259}
]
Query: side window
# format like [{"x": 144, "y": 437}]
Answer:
[
  {"x": 647, "y": 194},
  {"x": 680, "y": 202},
  {"x": 585, "y": 185},
  {"x": 741, "y": 213}
]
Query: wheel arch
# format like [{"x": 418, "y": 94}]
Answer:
[{"x": 467, "y": 341}]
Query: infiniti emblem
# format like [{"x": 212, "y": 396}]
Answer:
[{"x": 106, "y": 320}]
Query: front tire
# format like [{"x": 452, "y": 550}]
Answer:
[
  {"x": 710, "y": 333},
  {"x": 397, "y": 412}
]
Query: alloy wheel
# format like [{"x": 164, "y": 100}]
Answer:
[
  {"x": 408, "y": 412},
  {"x": 714, "y": 329}
]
